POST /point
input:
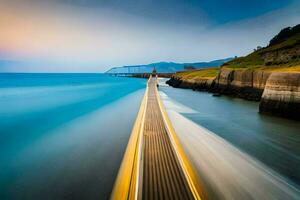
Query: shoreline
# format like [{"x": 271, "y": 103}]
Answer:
[{"x": 277, "y": 92}]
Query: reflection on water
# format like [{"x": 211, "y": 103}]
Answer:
[
  {"x": 273, "y": 142},
  {"x": 61, "y": 134}
]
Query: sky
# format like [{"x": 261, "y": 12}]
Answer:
[{"x": 94, "y": 35}]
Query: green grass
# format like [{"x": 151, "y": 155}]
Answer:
[
  {"x": 209, "y": 73},
  {"x": 289, "y": 43},
  {"x": 255, "y": 59},
  {"x": 295, "y": 68}
]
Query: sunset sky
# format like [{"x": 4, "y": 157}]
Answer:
[{"x": 92, "y": 36}]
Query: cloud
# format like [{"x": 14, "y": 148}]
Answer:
[{"x": 66, "y": 37}]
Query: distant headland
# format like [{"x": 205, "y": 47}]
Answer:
[{"x": 166, "y": 67}]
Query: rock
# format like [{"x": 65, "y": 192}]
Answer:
[
  {"x": 224, "y": 78},
  {"x": 279, "y": 93},
  {"x": 281, "y": 56},
  {"x": 201, "y": 84},
  {"x": 174, "y": 82},
  {"x": 260, "y": 79},
  {"x": 245, "y": 84},
  {"x": 282, "y": 95}
]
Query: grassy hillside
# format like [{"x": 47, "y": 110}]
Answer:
[
  {"x": 282, "y": 53},
  {"x": 283, "y": 68},
  {"x": 198, "y": 74}
]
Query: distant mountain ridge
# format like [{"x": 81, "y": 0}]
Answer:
[{"x": 166, "y": 67}]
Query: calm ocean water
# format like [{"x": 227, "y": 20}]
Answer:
[{"x": 62, "y": 136}]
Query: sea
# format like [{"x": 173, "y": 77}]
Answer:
[{"x": 63, "y": 136}]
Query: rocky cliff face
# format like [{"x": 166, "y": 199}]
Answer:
[
  {"x": 279, "y": 93},
  {"x": 200, "y": 84},
  {"x": 281, "y": 56},
  {"x": 282, "y": 95},
  {"x": 247, "y": 84}
]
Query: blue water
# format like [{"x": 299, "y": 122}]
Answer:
[{"x": 62, "y": 136}]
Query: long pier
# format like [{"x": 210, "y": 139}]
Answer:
[{"x": 155, "y": 165}]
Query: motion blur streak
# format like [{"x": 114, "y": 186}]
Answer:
[{"x": 228, "y": 172}]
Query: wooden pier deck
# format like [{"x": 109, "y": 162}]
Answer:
[
  {"x": 154, "y": 165},
  {"x": 163, "y": 177}
]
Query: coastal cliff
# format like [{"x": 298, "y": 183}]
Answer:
[
  {"x": 278, "y": 92},
  {"x": 282, "y": 95},
  {"x": 247, "y": 84},
  {"x": 202, "y": 80},
  {"x": 270, "y": 75}
]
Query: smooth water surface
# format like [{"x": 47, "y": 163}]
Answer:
[{"x": 62, "y": 136}]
